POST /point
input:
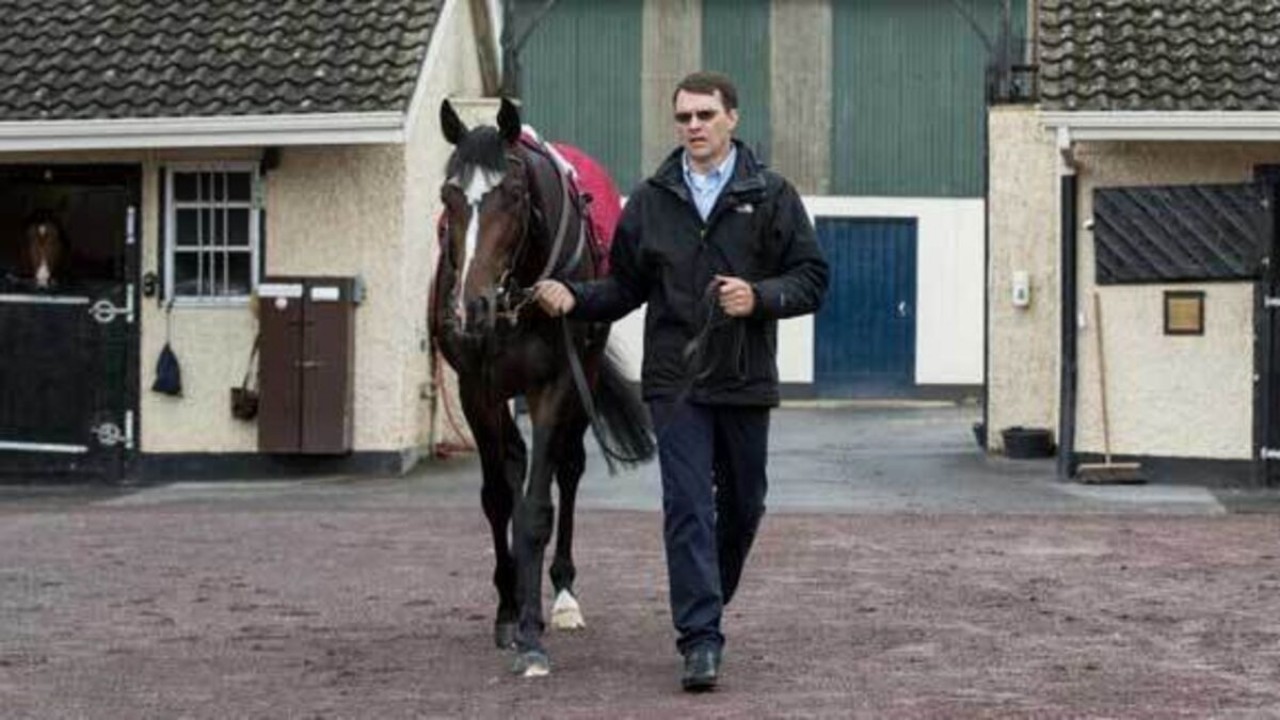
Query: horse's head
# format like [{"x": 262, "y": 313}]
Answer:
[
  {"x": 44, "y": 248},
  {"x": 486, "y": 197}
]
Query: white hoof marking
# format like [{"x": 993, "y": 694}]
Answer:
[{"x": 566, "y": 614}]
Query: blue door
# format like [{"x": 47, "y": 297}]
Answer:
[{"x": 866, "y": 330}]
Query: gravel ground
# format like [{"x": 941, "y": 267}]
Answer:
[{"x": 318, "y": 606}]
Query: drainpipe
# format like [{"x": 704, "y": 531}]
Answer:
[{"x": 1068, "y": 182}]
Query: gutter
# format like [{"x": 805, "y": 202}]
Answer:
[
  {"x": 1069, "y": 360},
  {"x": 203, "y": 132},
  {"x": 1182, "y": 125}
]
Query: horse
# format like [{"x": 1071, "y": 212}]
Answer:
[
  {"x": 512, "y": 218},
  {"x": 44, "y": 249}
]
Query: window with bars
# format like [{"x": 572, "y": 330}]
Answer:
[{"x": 212, "y": 232}]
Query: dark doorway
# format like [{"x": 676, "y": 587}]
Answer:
[{"x": 68, "y": 376}]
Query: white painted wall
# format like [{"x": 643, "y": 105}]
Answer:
[
  {"x": 949, "y": 278},
  {"x": 949, "y": 283}
]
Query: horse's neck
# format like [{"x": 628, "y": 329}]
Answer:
[{"x": 553, "y": 200}]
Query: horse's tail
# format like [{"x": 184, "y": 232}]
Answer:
[{"x": 628, "y": 435}]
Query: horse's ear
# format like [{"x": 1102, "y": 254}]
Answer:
[
  {"x": 452, "y": 126},
  {"x": 509, "y": 121}
]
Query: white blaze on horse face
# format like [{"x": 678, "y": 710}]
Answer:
[
  {"x": 478, "y": 184},
  {"x": 43, "y": 273}
]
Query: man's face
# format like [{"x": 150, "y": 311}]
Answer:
[{"x": 704, "y": 127}]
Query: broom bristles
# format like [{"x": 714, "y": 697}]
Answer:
[{"x": 1098, "y": 473}]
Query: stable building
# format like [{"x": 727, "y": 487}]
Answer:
[
  {"x": 1132, "y": 290},
  {"x": 209, "y": 173}
]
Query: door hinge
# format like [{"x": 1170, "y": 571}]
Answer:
[
  {"x": 1271, "y": 303},
  {"x": 1269, "y": 454}
]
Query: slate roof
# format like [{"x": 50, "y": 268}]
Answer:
[
  {"x": 98, "y": 59},
  {"x": 1160, "y": 54}
]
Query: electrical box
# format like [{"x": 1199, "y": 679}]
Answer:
[
  {"x": 1021, "y": 289},
  {"x": 306, "y": 363}
]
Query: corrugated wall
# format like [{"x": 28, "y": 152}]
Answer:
[
  {"x": 735, "y": 41},
  {"x": 908, "y": 96},
  {"x": 900, "y": 84},
  {"x": 581, "y": 81}
]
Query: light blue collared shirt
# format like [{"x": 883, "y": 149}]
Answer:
[{"x": 706, "y": 188}]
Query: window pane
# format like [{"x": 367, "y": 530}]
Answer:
[
  {"x": 239, "y": 273},
  {"x": 184, "y": 186},
  {"x": 190, "y": 227},
  {"x": 186, "y": 274},
  {"x": 238, "y": 227},
  {"x": 213, "y": 228},
  {"x": 212, "y": 274},
  {"x": 212, "y": 186},
  {"x": 238, "y": 186}
]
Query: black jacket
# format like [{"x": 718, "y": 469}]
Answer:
[{"x": 664, "y": 254}]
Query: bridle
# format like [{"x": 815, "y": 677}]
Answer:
[{"x": 511, "y": 298}]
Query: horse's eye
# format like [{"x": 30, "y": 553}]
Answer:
[
  {"x": 452, "y": 197},
  {"x": 511, "y": 192}
]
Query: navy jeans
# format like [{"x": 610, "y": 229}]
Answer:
[{"x": 713, "y": 488}]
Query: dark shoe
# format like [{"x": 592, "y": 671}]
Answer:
[{"x": 701, "y": 669}]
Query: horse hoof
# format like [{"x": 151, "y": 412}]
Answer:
[
  {"x": 504, "y": 635},
  {"x": 566, "y": 614},
  {"x": 531, "y": 663}
]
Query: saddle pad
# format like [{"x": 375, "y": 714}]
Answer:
[{"x": 606, "y": 203}]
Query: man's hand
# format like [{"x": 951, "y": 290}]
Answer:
[
  {"x": 553, "y": 297},
  {"x": 737, "y": 299}
]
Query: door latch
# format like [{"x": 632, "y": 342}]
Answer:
[{"x": 104, "y": 311}]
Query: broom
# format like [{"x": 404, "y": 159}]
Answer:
[{"x": 1106, "y": 471}]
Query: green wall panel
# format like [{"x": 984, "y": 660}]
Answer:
[
  {"x": 908, "y": 96},
  {"x": 581, "y": 81},
  {"x": 735, "y": 41}
]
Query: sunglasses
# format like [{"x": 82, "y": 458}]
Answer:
[{"x": 684, "y": 118}]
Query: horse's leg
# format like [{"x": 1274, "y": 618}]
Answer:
[
  {"x": 566, "y": 614},
  {"x": 533, "y": 524},
  {"x": 502, "y": 461}
]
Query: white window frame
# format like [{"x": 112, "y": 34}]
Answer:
[{"x": 253, "y": 205}]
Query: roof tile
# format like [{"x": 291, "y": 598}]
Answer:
[
  {"x": 1134, "y": 55},
  {"x": 96, "y": 59}
]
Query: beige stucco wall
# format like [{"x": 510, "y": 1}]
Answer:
[
  {"x": 1023, "y": 222},
  {"x": 337, "y": 211},
  {"x": 1166, "y": 395},
  {"x": 455, "y": 74}
]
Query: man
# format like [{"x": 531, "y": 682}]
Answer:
[{"x": 720, "y": 248}]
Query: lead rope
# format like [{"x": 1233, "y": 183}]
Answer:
[{"x": 575, "y": 363}]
